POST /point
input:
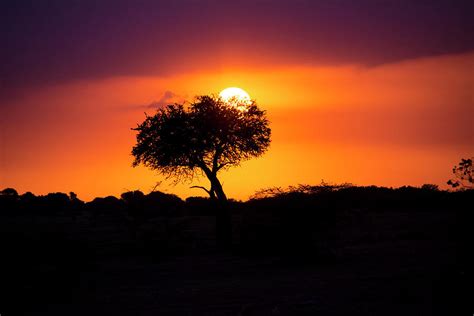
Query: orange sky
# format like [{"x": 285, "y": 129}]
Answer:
[{"x": 404, "y": 123}]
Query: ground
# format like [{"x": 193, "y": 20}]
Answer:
[{"x": 397, "y": 272}]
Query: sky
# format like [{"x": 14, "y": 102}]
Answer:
[{"x": 366, "y": 92}]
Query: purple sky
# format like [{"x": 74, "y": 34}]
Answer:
[{"x": 55, "y": 41}]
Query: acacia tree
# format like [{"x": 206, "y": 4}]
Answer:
[
  {"x": 464, "y": 175},
  {"x": 203, "y": 138}
]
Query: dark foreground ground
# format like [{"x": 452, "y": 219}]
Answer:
[
  {"x": 400, "y": 283},
  {"x": 392, "y": 262}
]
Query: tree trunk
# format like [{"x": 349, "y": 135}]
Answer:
[{"x": 223, "y": 216}]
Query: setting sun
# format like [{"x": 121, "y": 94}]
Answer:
[{"x": 234, "y": 94}]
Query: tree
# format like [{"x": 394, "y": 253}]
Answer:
[
  {"x": 205, "y": 137},
  {"x": 9, "y": 192},
  {"x": 463, "y": 173}
]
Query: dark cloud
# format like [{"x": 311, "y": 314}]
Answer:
[
  {"x": 167, "y": 98},
  {"x": 57, "y": 40}
]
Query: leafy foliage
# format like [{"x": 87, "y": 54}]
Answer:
[
  {"x": 205, "y": 137},
  {"x": 463, "y": 173}
]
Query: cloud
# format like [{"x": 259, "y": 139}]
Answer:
[
  {"x": 165, "y": 100},
  {"x": 168, "y": 97}
]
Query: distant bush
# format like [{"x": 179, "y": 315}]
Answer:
[
  {"x": 9, "y": 192},
  {"x": 430, "y": 187},
  {"x": 109, "y": 206},
  {"x": 141, "y": 207},
  {"x": 163, "y": 204},
  {"x": 9, "y": 200},
  {"x": 303, "y": 220},
  {"x": 199, "y": 206},
  {"x": 300, "y": 189}
]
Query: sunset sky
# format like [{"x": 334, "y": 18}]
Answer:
[{"x": 367, "y": 92}]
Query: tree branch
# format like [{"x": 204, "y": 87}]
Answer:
[
  {"x": 222, "y": 165},
  {"x": 200, "y": 187}
]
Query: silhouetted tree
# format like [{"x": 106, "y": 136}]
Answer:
[
  {"x": 132, "y": 196},
  {"x": 55, "y": 203},
  {"x": 162, "y": 204},
  {"x": 72, "y": 196},
  {"x": 27, "y": 197},
  {"x": 463, "y": 173},
  {"x": 208, "y": 136},
  {"x": 134, "y": 201},
  {"x": 9, "y": 200},
  {"x": 108, "y": 207},
  {"x": 430, "y": 187},
  {"x": 9, "y": 192}
]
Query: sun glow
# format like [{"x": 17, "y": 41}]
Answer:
[{"x": 234, "y": 95}]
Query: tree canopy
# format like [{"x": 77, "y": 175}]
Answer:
[{"x": 209, "y": 135}]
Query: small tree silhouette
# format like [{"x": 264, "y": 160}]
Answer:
[
  {"x": 463, "y": 173},
  {"x": 209, "y": 135}
]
